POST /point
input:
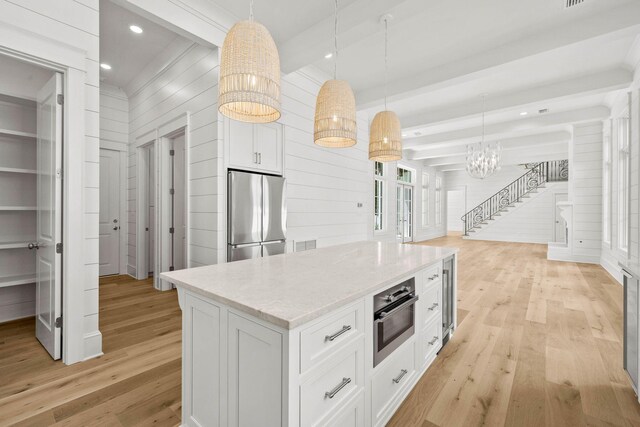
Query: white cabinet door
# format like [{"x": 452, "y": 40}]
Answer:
[
  {"x": 201, "y": 351},
  {"x": 255, "y": 374},
  {"x": 109, "y": 212},
  {"x": 268, "y": 145},
  {"x": 242, "y": 154},
  {"x": 49, "y": 217}
]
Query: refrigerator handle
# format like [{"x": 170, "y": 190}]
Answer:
[{"x": 244, "y": 245}]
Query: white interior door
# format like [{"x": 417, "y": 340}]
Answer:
[
  {"x": 151, "y": 205},
  {"x": 49, "y": 217},
  {"x": 455, "y": 210},
  {"x": 109, "y": 212},
  {"x": 560, "y": 225}
]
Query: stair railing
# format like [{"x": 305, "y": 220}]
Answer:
[{"x": 537, "y": 175}]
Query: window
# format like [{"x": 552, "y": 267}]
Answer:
[
  {"x": 378, "y": 196},
  {"x": 425, "y": 199},
  {"x": 606, "y": 188},
  {"x": 623, "y": 183},
  {"x": 404, "y": 175},
  {"x": 438, "y": 200}
]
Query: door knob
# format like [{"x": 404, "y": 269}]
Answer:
[
  {"x": 116, "y": 228},
  {"x": 115, "y": 221},
  {"x": 35, "y": 245}
]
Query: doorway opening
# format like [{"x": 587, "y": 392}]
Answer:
[
  {"x": 31, "y": 142},
  {"x": 455, "y": 211},
  {"x": 559, "y": 225}
]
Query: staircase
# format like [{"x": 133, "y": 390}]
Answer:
[{"x": 536, "y": 177}]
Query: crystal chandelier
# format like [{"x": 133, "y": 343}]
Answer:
[{"x": 483, "y": 159}]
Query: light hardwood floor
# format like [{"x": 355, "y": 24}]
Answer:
[{"x": 538, "y": 343}]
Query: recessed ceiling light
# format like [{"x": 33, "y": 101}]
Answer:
[
  {"x": 105, "y": 66},
  {"x": 328, "y": 55},
  {"x": 404, "y": 134},
  {"x": 135, "y": 29},
  {"x": 524, "y": 113}
]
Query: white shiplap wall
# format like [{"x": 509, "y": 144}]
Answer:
[
  {"x": 165, "y": 91},
  {"x": 114, "y": 118},
  {"x": 75, "y": 23},
  {"x": 585, "y": 191},
  {"x": 531, "y": 221}
]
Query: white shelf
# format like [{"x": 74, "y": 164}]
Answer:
[
  {"x": 17, "y": 170},
  {"x": 9, "y": 132},
  {"x": 18, "y": 208},
  {"x": 21, "y": 279},
  {"x": 18, "y": 244}
]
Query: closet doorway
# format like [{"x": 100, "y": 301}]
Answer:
[{"x": 31, "y": 142}]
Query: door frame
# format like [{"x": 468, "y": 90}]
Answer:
[
  {"x": 71, "y": 63},
  {"x": 413, "y": 209},
  {"x": 160, "y": 139},
  {"x": 555, "y": 213}
]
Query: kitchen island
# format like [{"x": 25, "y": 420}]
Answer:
[{"x": 289, "y": 340}]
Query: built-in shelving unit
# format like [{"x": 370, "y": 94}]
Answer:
[
  {"x": 18, "y": 192},
  {"x": 18, "y": 279}
]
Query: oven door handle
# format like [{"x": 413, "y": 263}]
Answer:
[{"x": 383, "y": 316}]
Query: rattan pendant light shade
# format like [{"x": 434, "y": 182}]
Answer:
[
  {"x": 335, "y": 118},
  {"x": 385, "y": 137},
  {"x": 249, "y": 89}
]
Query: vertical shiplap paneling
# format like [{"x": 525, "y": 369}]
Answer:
[
  {"x": 187, "y": 84},
  {"x": 586, "y": 190},
  {"x": 75, "y": 23}
]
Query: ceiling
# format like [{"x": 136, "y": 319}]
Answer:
[
  {"x": 525, "y": 55},
  {"x": 128, "y": 53}
]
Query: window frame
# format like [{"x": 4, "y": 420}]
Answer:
[
  {"x": 379, "y": 200},
  {"x": 438, "y": 200},
  {"x": 623, "y": 183},
  {"x": 425, "y": 198},
  {"x": 607, "y": 183}
]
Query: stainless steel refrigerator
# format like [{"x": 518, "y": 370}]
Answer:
[{"x": 257, "y": 215}]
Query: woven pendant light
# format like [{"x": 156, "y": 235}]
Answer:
[
  {"x": 249, "y": 89},
  {"x": 385, "y": 135},
  {"x": 335, "y": 118}
]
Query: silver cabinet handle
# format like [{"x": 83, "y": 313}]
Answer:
[
  {"x": 35, "y": 245},
  {"x": 433, "y": 341},
  {"x": 433, "y": 307},
  {"x": 343, "y": 384},
  {"x": 255, "y": 157},
  {"x": 399, "y": 378},
  {"x": 332, "y": 337},
  {"x": 259, "y": 158},
  {"x": 435, "y": 276}
]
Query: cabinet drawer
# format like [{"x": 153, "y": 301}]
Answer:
[
  {"x": 431, "y": 340},
  {"x": 431, "y": 302},
  {"x": 352, "y": 415},
  {"x": 319, "y": 341},
  {"x": 391, "y": 380},
  {"x": 432, "y": 274},
  {"x": 331, "y": 386}
]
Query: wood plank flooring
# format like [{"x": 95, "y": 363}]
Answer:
[{"x": 538, "y": 343}]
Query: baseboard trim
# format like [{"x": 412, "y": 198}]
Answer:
[
  {"x": 612, "y": 269},
  {"x": 582, "y": 259},
  {"x": 92, "y": 345}
]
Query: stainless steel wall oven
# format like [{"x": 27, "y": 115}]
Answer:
[{"x": 394, "y": 317}]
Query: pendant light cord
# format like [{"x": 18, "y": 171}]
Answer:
[
  {"x": 251, "y": 10},
  {"x": 386, "y": 62},
  {"x": 335, "y": 41}
]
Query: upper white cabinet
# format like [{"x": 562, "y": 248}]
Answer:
[{"x": 254, "y": 146}]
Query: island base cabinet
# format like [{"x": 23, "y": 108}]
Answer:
[
  {"x": 255, "y": 374},
  {"x": 201, "y": 386}
]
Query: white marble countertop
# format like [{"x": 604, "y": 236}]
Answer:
[{"x": 292, "y": 289}]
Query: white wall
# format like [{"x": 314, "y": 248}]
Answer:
[
  {"x": 73, "y": 24},
  {"x": 183, "y": 80},
  {"x": 531, "y": 221},
  {"x": 585, "y": 191},
  {"x": 114, "y": 118},
  {"x": 456, "y": 205}
]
